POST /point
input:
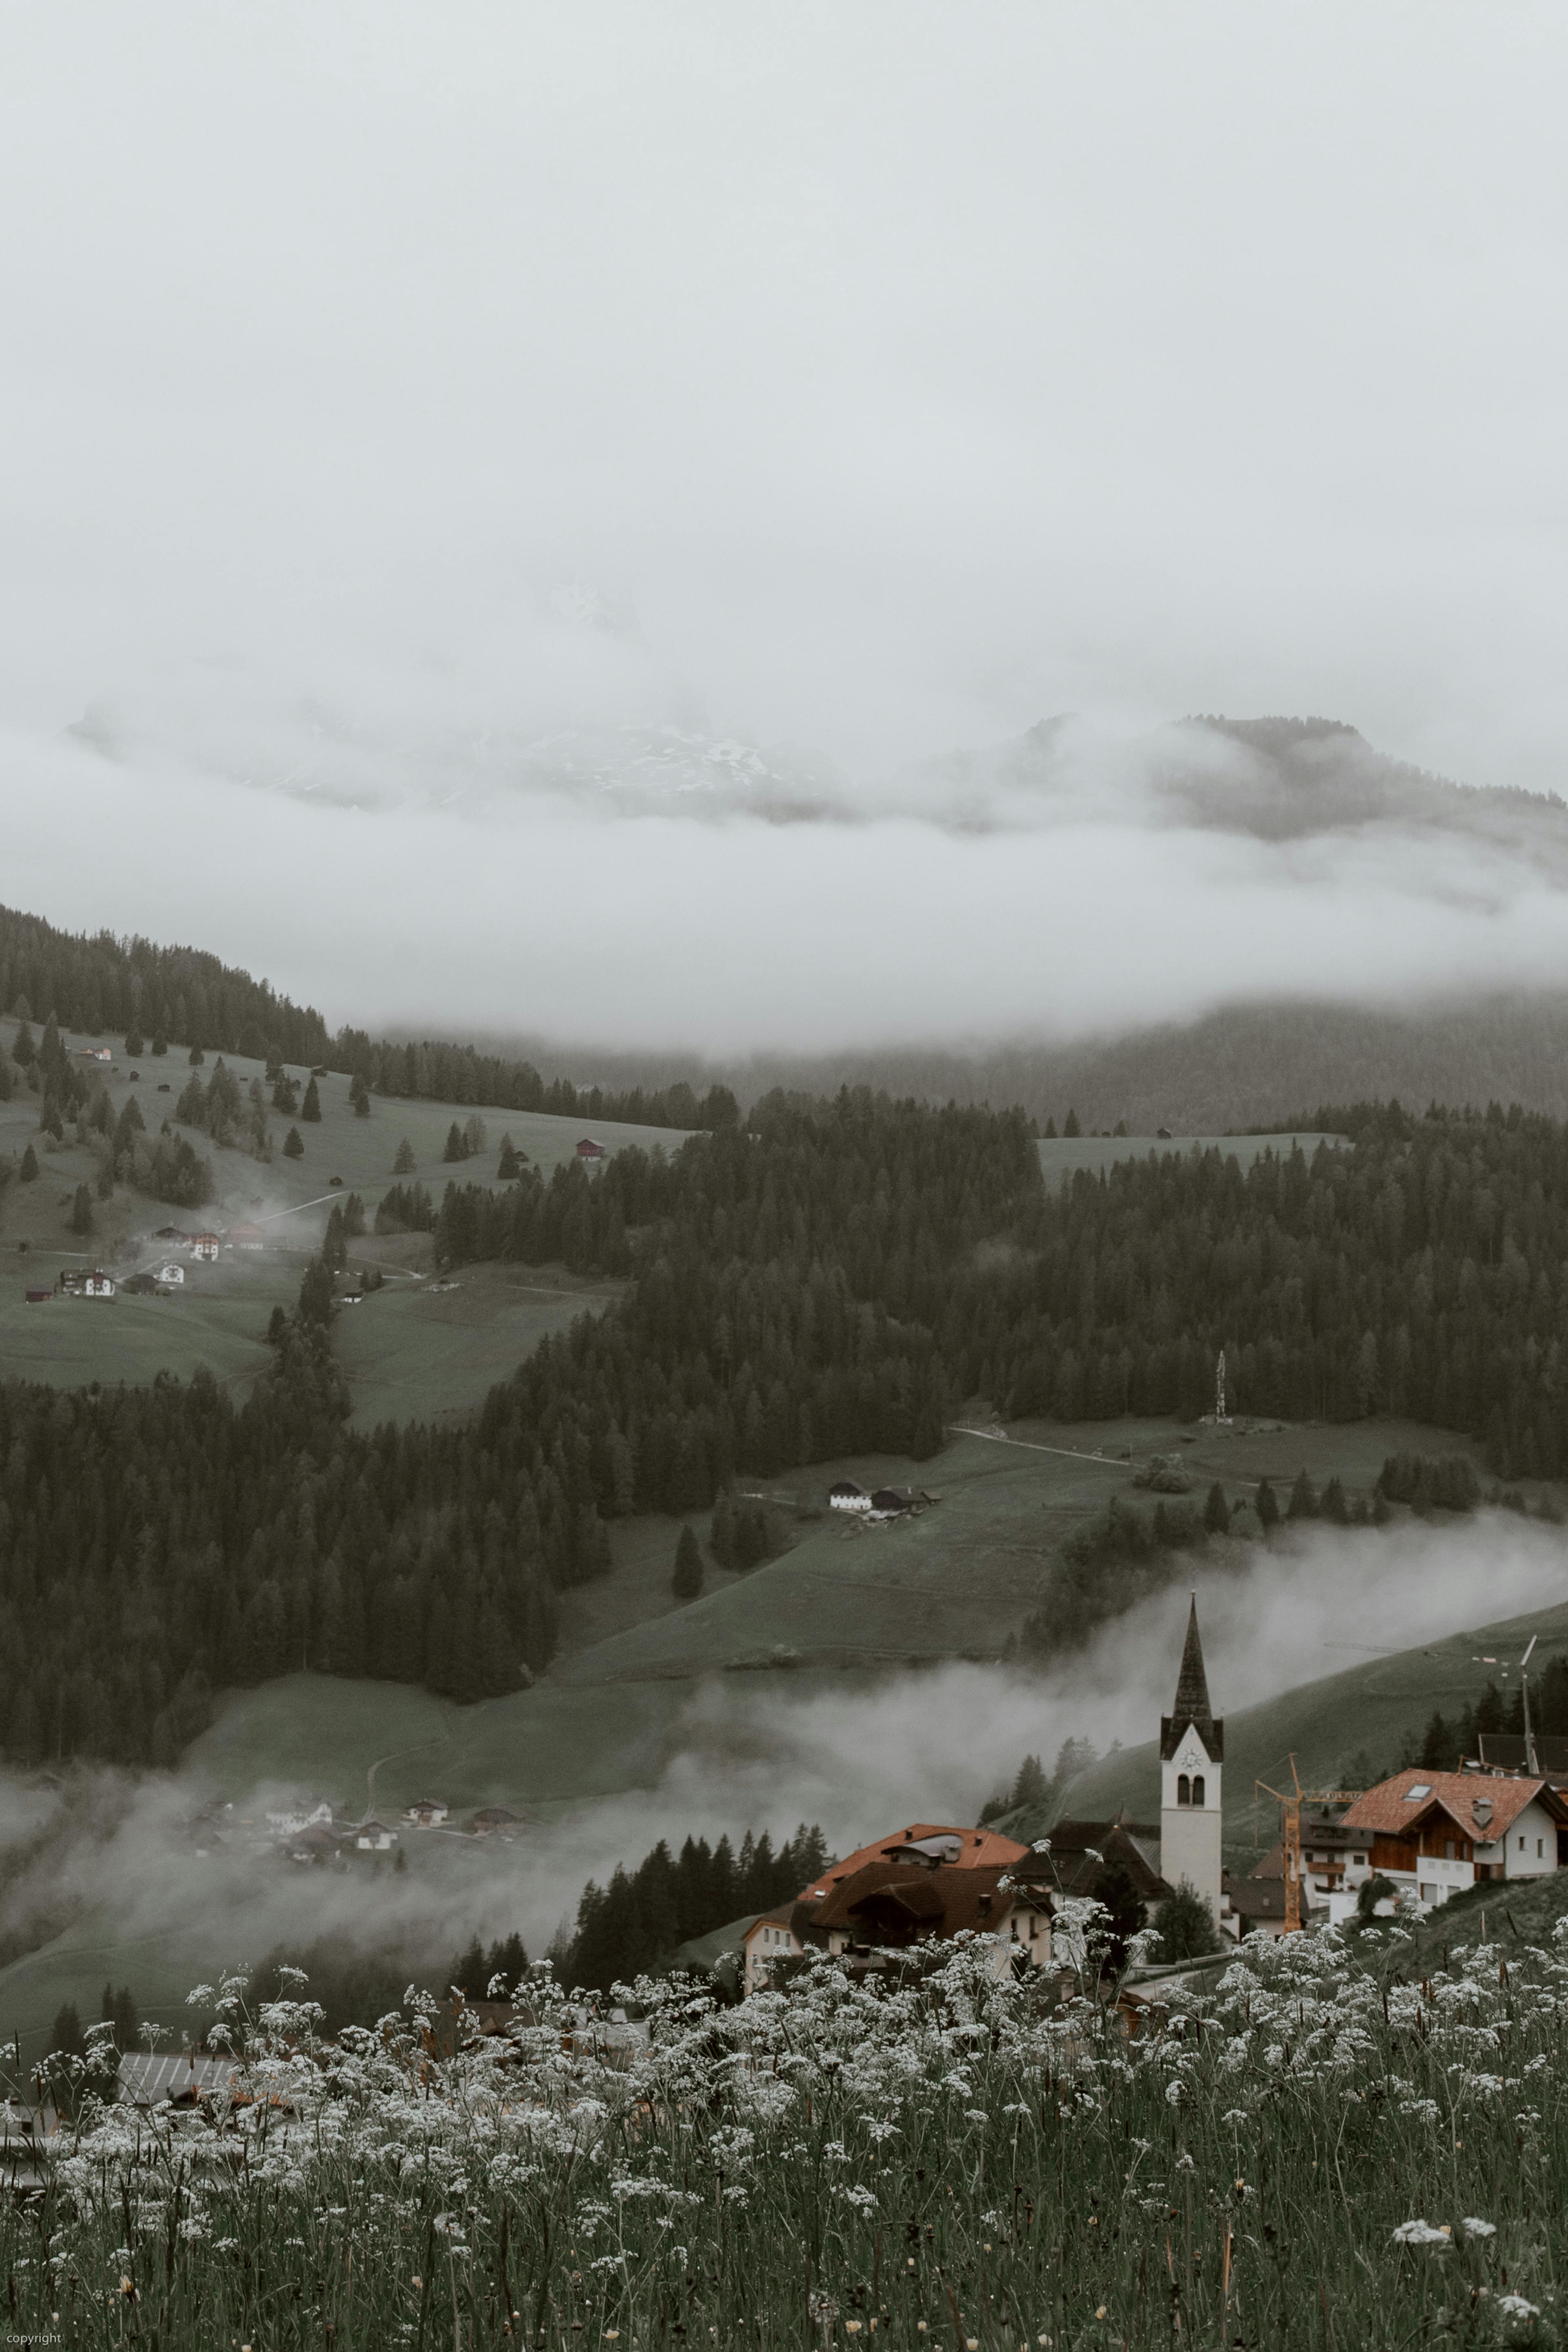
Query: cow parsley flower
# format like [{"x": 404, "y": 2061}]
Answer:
[{"x": 1419, "y": 2233}]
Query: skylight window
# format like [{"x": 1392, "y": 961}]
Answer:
[{"x": 1422, "y": 1788}]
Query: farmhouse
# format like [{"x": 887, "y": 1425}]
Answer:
[
  {"x": 1079, "y": 1851},
  {"x": 203, "y": 1245},
  {"x": 845, "y": 1495},
  {"x": 429, "y": 1813},
  {"x": 1435, "y": 1833},
  {"x": 171, "y": 1273},
  {"x": 920, "y": 1885},
  {"x": 496, "y": 1820},
  {"x": 588, "y": 1149},
  {"x": 374, "y": 1837},
  {"x": 86, "y": 1282},
  {"x": 94, "y": 1054}
]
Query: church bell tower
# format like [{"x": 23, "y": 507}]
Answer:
[{"x": 1192, "y": 1750}]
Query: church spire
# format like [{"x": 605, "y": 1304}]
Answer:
[
  {"x": 1192, "y": 1704},
  {"x": 1192, "y": 1682}
]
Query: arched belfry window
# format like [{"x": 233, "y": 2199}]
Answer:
[
  {"x": 1197, "y": 1788},
  {"x": 1183, "y": 1789}
]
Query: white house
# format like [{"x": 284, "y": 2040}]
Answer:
[
  {"x": 203, "y": 1245},
  {"x": 429, "y": 1813},
  {"x": 845, "y": 1495},
  {"x": 374, "y": 1837},
  {"x": 172, "y": 1272},
  {"x": 1436, "y": 1833},
  {"x": 96, "y": 1283}
]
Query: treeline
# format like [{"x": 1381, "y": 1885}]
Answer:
[
  {"x": 633, "y": 1924},
  {"x": 1123, "y": 1555},
  {"x": 102, "y": 986},
  {"x": 1422, "y": 1274},
  {"x": 157, "y": 1544},
  {"x": 1443, "y": 1744}
]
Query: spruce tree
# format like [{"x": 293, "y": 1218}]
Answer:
[
  {"x": 81, "y": 1219},
  {"x": 688, "y": 1581},
  {"x": 1184, "y": 1927},
  {"x": 28, "y": 1174},
  {"x": 509, "y": 1166},
  {"x": 404, "y": 1163},
  {"x": 135, "y": 1044},
  {"x": 454, "y": 1148},
  {"x": 195, "y": 1057},
  {"x": 1303, "y": 1503},
  {"x": 1266, "y": 1503},
  {"x": 1071, "y": 1126},
  {"x": 292, "y": 1147},
  {"x": 160, "y": 1044},
  {"x": 310, "y": 1108},
  {"x": 359, "y": 1096},
  {"x": 1217, "y": 1511}
]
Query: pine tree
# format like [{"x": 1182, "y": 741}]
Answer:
[
  {"x": 688, "y": 1581},
  {"x": 1186, "y": 1929},
  {"x": 292, "y": 1147},
  {"x": 1303, "y": 1503},
  {"x": 1217, "y": 1511},
  {"x": 28, "y": 1174},
  {"x": 1030, "y": 1786},
  {"x": 135, "y": 1044},
  {"x": 454, "y": 1148},
  {"x": 285, "y": 1095},
  {"x": 159, "y": 1043},
  {"x": 315, "y": 1293},
  {"x": 310, "y": 1108},
  {"x": 1333, "y": 1506},
  {"x": 66, "y": 2034},
  {"x": 81, "y": 1219},
  {"x": 404, "y": 1163},
  {"x": 1071, "y": 1126},
  {"x": 195, "y": 1057},
  {"x": 359, "y": 1096},
  {"x": 510, "y": 1166}
]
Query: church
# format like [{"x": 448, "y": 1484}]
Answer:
[{"x": 1192, "y": 1753}]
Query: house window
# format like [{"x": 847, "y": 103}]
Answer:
[
  {"x": 1521, "y": 1845},
  {"x": 1183, "y": 1789},
  {"x": 1447, "y": 1849},
  {"x": 1539, "y": 1850},
  {"x": 1197, "y": 1788}
]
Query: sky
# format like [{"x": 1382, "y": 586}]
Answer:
[{"x": 390, "y": 392}]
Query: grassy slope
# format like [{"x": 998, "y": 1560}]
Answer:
[
  {"x": 1321, "y": 1723},
  {"x": 407, "y": 1355}
]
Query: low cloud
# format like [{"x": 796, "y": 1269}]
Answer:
[
  {"x": 544, "y": 914},
  {"x": 856, "y": 1755}
]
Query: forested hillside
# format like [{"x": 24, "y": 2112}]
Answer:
[
  {"x": 824, "y": 1285},
  {"x": 155, "y": 1544},
  {"x": 1424, "y": 1273}
]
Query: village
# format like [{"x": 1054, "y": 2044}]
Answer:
[{"x": 1400, "y": 1849}]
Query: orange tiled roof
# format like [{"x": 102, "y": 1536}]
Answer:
[
  {"x": 982, "y": 1850},
  {"x": 1393, "y": 1809}
]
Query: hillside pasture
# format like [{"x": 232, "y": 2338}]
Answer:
[{"x": 407, "y": 1355}]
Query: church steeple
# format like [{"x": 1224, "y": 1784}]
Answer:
[{"x": 1192, "y": 1704}]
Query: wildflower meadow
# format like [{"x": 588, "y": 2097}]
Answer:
[{"x": 1316, "y": 2154}]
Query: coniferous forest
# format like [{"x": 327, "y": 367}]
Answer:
[{"x": 827, "y": 1282}]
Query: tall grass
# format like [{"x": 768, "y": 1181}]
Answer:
[{"x": 1311, "y": 2157}]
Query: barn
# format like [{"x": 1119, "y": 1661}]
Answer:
[{"x": 588, "y": 1149}]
